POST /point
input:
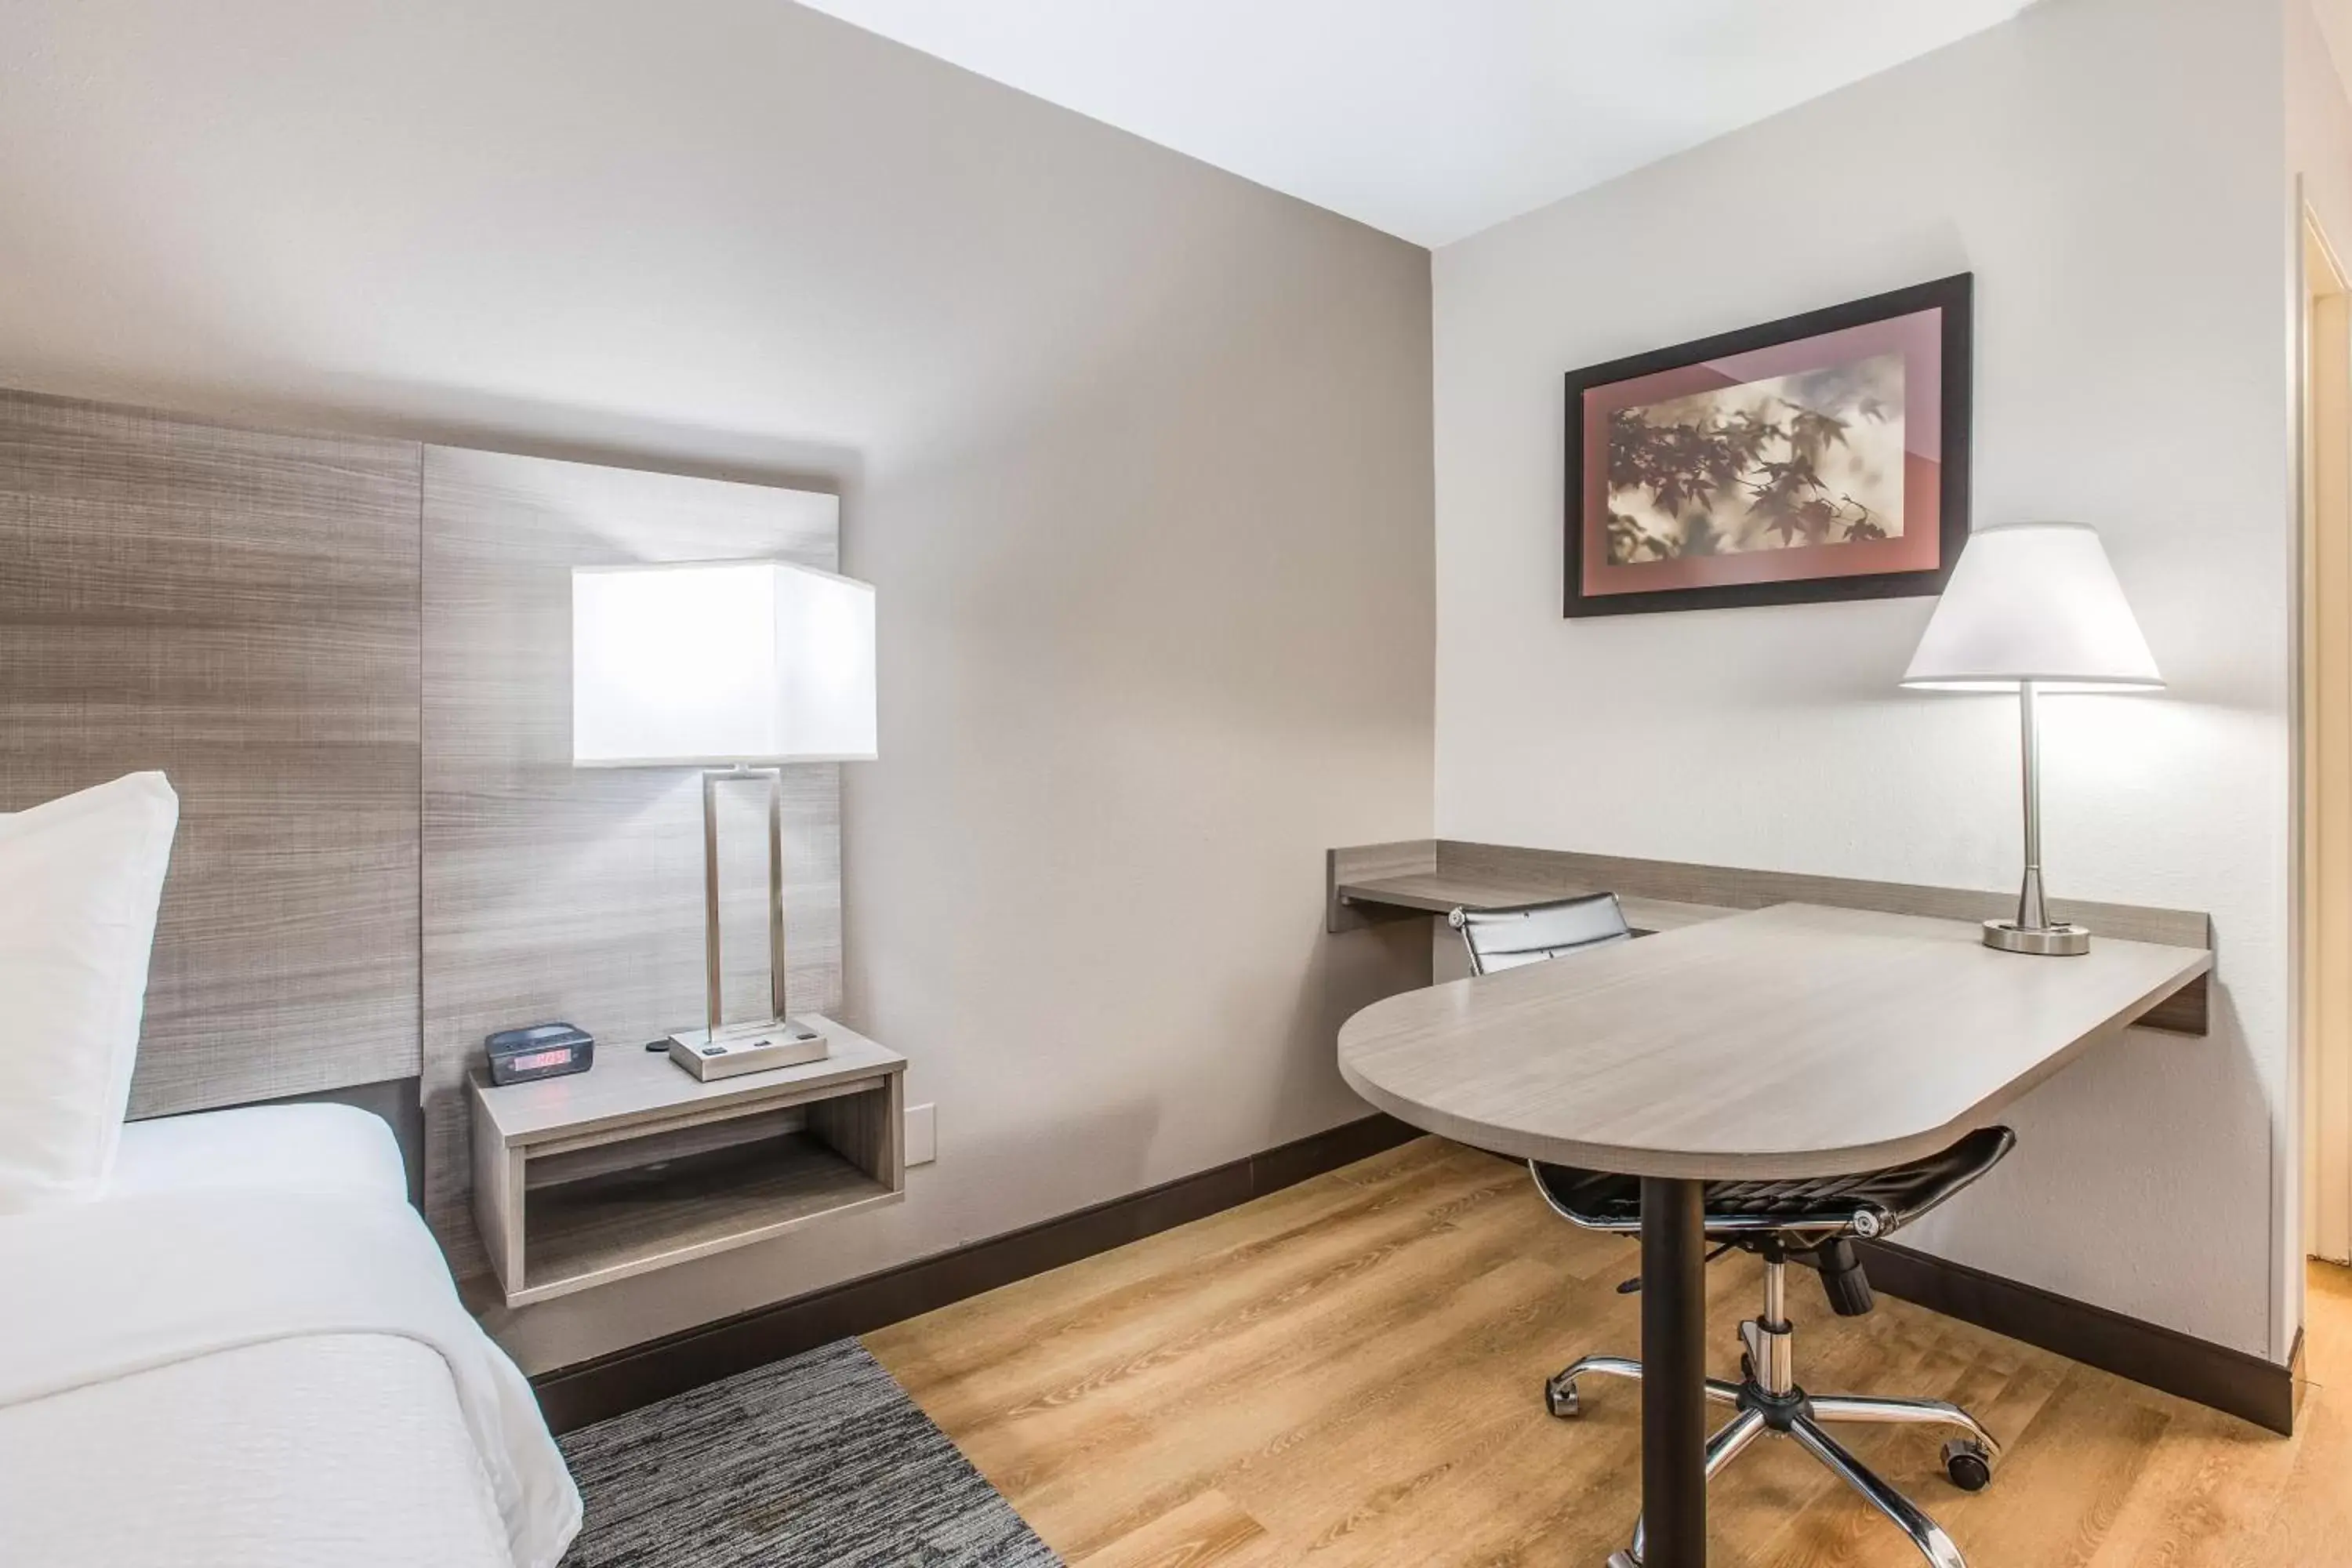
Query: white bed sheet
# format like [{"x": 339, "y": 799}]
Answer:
[
  {"x": 294, "y": 1148},
  {"x": 339, "y": 1451},
  {"x": 250, "y": 1354}
]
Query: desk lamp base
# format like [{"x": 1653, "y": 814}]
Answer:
[{"x": 2049, "y": 942}]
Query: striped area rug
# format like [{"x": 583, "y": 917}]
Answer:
[{"x": 821, "y": 1461}]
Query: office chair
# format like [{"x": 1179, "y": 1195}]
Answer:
[
  {"x": 1811, "y": 1218},
  {"x": 1529, "y": 933}
]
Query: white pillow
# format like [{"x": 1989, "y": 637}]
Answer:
[{"x": 79, "y": 881}]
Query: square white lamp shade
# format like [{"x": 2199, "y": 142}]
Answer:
[
  {"x": 2034, "y": 602},
  {"x": 716, "y": 664}
]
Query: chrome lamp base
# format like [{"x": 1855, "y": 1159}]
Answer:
[
  {"x": 750, "y": 1029},
  {"x": 760, "y": 1045},
  {"x": 2049, "y": 942}
]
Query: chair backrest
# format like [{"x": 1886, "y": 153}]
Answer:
[{"x": 1529, "y": 933}]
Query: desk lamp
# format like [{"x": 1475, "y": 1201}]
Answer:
[
  {"x": 2033, "y": 608},
  {"x": 736, "y": 668}
]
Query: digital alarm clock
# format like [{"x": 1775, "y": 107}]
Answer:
[{"x": 540, "y": 1050}]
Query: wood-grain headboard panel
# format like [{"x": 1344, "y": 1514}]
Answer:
[{"x": 241, "y": 610}]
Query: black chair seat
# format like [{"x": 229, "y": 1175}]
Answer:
[{"x": 1869, "y": 1202}]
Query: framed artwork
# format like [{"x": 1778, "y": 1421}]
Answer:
[{"x": 1824, "y": 457}]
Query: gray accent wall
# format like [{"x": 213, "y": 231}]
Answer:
[
  {"x": 1137, "y": 452},
  {"x": 238, "y": 609}
]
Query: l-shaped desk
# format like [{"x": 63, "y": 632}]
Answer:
[{"x": 1775, "y": 1025}]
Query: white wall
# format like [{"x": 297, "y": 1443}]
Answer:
[
  {"x": 1135, "y": 451},
  {"x": 2109, "y": 171}
]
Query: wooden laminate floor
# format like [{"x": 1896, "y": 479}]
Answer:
[{"x": 1349, "y": 1373}]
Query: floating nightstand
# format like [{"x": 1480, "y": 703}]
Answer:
[{"x": 634, "y": 1166}]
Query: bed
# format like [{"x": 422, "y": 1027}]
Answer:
[{"x": 248, "y": 1351}]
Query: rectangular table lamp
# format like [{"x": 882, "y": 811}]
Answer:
[
  {"x": 2033, "y": 608},
  {"x": 737, "y": 668}
]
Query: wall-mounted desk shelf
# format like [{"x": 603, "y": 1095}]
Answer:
[
  {"x": 636, "y": 1165},
  {"x": 1369, "y": 883}
]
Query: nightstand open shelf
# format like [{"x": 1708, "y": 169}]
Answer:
[{"x": 635, "y": 1165}]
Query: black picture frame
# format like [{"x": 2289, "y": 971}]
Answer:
[{"x": 1954, "y": 296}]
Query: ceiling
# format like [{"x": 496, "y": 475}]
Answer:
[{"x": 1429, "y": 118}]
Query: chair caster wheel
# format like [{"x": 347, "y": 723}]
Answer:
[
  {"x": 1968, "y": 1464},
  {"x": 1624, "y": 1560},
  {"x": 1560, "y": 1398}
]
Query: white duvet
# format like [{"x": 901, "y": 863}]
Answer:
[{"x": 192, "y": 1338}]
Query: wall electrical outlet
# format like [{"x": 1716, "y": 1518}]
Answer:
[{"x": 923, "y": 1134}]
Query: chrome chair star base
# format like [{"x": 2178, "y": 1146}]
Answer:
[{"x": 1768, "y": 1402}]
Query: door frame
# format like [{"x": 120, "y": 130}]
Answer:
[{"x": 2322, "y": 913}]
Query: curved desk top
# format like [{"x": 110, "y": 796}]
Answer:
[{"x": 1791, "y": 1041}]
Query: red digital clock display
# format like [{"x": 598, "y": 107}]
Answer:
[{"x": 538, "y": 1059}]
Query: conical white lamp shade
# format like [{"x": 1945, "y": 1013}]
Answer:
[{"x": 2034, "y": 602}]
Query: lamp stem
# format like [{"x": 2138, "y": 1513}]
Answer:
[
  {"x": 2031, "y": 914},
  {"x": 2033, "y": 930},
  {"x": 711, "y": 956},
  {"x": 711, "y": 779},
  {"x": 776, "y": 892}
]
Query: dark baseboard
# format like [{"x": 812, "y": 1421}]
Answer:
[
  {"x": 2250, "y": 1386},
  {"x": 574, "y": 1396}
]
